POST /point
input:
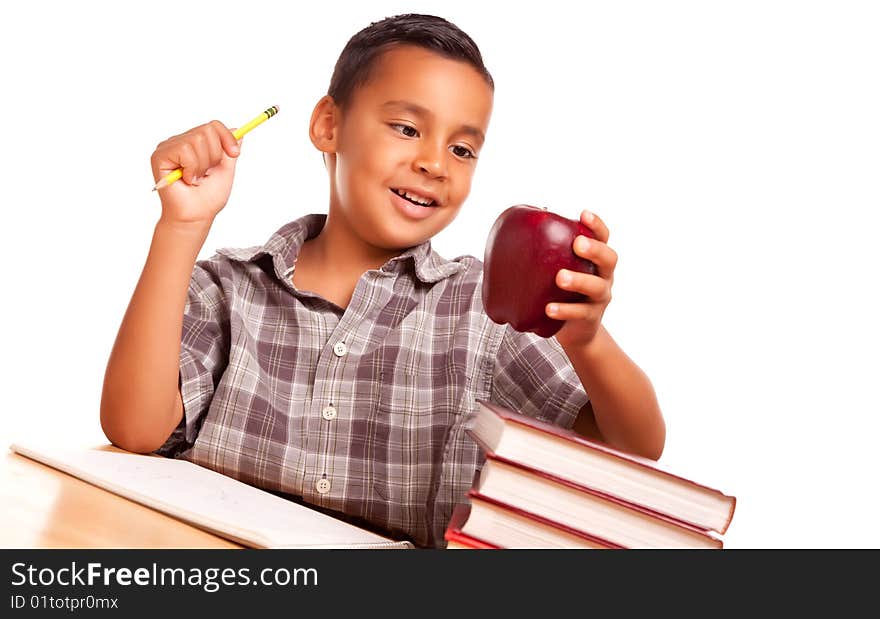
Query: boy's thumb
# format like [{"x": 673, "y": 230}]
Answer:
[{"x": 234, "y": 148}]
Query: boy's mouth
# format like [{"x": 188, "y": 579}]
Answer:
[{"x": 416, "y": 199}]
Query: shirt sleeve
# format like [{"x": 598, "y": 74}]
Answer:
[
  {"x": 204, "y": 353},
  {"x": 533, "y": 376}
]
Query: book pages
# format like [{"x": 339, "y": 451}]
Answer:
[{"x": 207, "y": 499}]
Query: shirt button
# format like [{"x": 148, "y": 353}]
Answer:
[
  {"x": 323, "y": 486},
  {"x": 340, "y": 349},
  {"x": 329, "y": 412}
]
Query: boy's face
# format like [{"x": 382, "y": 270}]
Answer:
[{"x": 415, "y": 125}]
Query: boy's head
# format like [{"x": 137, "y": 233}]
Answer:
[
  {"x": 407, "y": 109},
  {"x": 355, "y": 63}
]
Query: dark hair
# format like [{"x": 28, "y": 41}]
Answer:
[{"x": 362, "y": 51}]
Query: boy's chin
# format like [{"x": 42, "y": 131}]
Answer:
[
  {"x": 394, "y": 236},
  {"x": 391, "y": 230},
  {"x": 401, "y": 242}
]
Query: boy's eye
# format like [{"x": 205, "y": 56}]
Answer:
[
  {"x": 406, "y": 130},
  {"x": 412, "y": 132},
  {"x": 461, "y": 151}
]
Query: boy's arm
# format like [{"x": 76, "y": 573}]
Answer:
[
  {"x": 141, "y": 402},
  {"x": 623, "y": 410},
  {"x": 624, "y": 406}
]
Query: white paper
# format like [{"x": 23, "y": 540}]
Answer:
[{"x": 207, "y": 499}]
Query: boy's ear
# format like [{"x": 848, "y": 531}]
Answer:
[{"x": 323, "y": 125}]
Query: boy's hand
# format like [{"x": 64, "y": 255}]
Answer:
[
  {"x": 582, "y": 320},
  {"x": 207, "y": 155}
]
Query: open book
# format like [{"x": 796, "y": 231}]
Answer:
[{"x": 207, "y": 499}]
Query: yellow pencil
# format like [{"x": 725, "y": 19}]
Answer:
[{"x": 178, "y": 173}]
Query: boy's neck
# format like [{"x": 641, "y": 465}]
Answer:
[{"x": 338, "y": 249}]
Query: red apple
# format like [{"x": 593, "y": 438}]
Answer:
[{"x": 524, "y": 251}]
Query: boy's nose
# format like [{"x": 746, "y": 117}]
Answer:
[{"x": 431, "y": 160}]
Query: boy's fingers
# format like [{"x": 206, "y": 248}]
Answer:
[
  {"x": 215, "y": 150},
  {"x": 188, "y": 162},
  {"x": 596, "y": 252},
  {"x": 227, "y": 140},
  {"x": 571, "y": 311},
  {"x": 202, "y": 143},
  {"x": 595, "y": 223},
  {"x": 592, "y": 286},
  {"x": 196, "y": 152}
]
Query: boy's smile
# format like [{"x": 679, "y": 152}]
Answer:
[
  {"x": 413, "y": 203},
  {"x": 403, "y": 153}
]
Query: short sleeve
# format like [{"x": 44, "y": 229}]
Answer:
[
  {"x": 204, "y": 353},
  {"x": 534, "y": 376}
]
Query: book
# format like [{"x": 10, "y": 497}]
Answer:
[
  {"x": 572, "y": 457},
  {"x": 207, "y": 499},
  {"x": 483, "y": 518},
  {"x": 583, "y": 508},
  {"x": 456, "y": 544},
  {"x": 456, "y": 539}
]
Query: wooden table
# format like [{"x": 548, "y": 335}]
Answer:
[{"x": 43, "y": 507}]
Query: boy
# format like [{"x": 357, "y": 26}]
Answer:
[{"x": 339, "y": 363}]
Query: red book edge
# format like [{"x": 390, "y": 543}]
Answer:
[
  {"x": 454, "y": 533},
  {"x": 475, "y": 495},
  {"x": 608, "y": 498},
  {"x": 571, "y": 436}
]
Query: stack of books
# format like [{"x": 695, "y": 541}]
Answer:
[{"x": 542, "y": 486}]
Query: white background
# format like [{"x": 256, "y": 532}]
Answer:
[{"x": 732, "y": 148}]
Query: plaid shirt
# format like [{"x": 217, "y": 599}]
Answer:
[{"x": 359, "y": 411}]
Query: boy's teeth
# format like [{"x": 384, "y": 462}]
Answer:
[{"x": 414, "y": 198}]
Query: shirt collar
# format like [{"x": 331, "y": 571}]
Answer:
[{"x": 285, "y": 243}]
